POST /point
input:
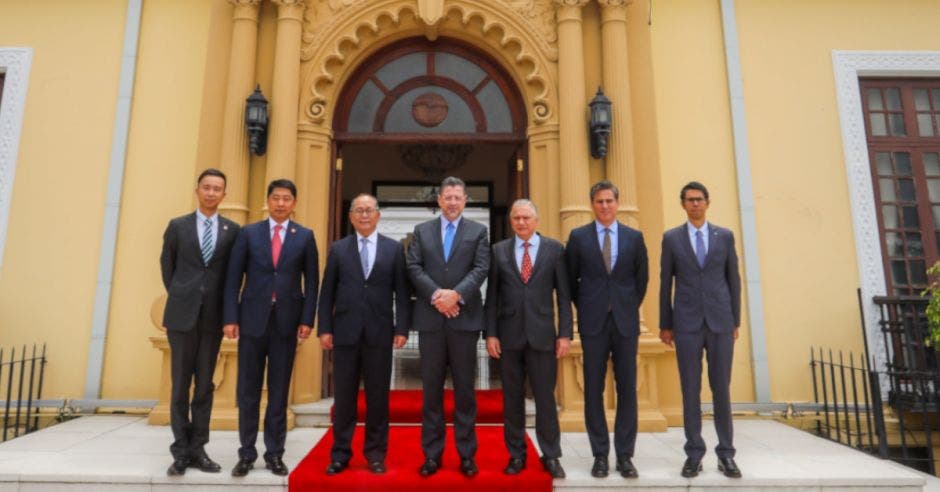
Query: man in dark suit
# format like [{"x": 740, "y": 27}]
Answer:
[
  {"x": 448, "y": 260},
  {"x": 195, "y": 255},
  {"x": 609, "y": 270},
  {"x": 699, "y": 257},
  {"x": 277, "y": 258},
  {"x": 520, "y": 331},
  {"x": 364, "y": 280}
]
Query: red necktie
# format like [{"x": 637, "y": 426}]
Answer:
[
  {"x": 276, "y": 252},
  {"x": 526, "y": 263},
  {"x": 276, "y": 244}
]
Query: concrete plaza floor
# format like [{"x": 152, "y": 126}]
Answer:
[{"x": 104, "y": 453}]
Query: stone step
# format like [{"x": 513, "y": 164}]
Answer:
[{"x": 317, "y": 414}]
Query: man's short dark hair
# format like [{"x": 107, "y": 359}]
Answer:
[
  {"x": 604, "y": 185},
  {"x": 211, "y": 172},
  {"x": 693, "y": 185},
  {"x": 452, "y": 181},
  {"x": 282, "y": 183}
]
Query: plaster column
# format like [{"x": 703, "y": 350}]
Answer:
[
  {"x": 314, "y": 168},
  {"x": 621, "y": 165},
  {"x": 241, "y": 81},
  {"x": 572, "y": 115},
  {"x": 285, "y": 91}
]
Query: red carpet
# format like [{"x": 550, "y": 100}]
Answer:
[
  {"x": 405, "y": 457},
  {"x": 404, "y": 406}
]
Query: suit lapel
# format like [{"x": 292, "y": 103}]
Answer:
[
  {"x": 354, "y": 254},
  {"x": 436, "y": 240},
  {"x": 712, "y": 242},
  {"x": 265, "y": 236},
  {"x": 598, "y": 247},
  {"x": 686, "y": 241},
  {"x": 192, "y": 235},
  {"x": 509, "y": 252}
]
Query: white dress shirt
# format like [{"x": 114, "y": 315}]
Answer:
[{"x": 282, "y": 232}]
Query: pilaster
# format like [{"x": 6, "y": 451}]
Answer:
[{"x": 282, "y": 138}]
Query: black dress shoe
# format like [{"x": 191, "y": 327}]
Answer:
[
  {"x": 377, "y": 467},
  {"x": 514, "y": 467},
  {"x": 336, "y": 467},
  {"x": 203, "y": 463},
  {"x": 729, "y": 467},
  {"x": 626, "y": 468},
  {"x": 242, "y": 467},
  {"x": 468, "y": 467},
  {"x": 429, "y": 467},
  {"x": 691, "y": 468},
  {"x": 600, "y": 468},
  {"x": 553, "y": 467},
  {"x": 178, "y": 467},
  {"x": 276, "y": 466}
]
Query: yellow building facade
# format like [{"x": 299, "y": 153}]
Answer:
[{"x": 111, "y": 108}]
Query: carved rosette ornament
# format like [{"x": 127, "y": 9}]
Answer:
[{"x": 429, "y": 109}]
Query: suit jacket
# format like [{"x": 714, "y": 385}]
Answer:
[
  {"x": 191, "y": 285},
  {"x": 295, "y": 280},
  {"x": 465, "y": 272},
  {"x": 594, "y": 290},
  {"x": 353, "y": 307},
  {"x": 709, "y": 294},
  {"x": 519, "y": 312}
]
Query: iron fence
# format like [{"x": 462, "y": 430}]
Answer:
[{"x": 21, "y": 379}]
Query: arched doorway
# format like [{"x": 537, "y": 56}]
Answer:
[{"x": 415, "y": 112}]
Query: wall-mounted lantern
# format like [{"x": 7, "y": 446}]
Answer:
[
  {"x": 600, "y": 124},
  {"x": 256, "y": 122}
]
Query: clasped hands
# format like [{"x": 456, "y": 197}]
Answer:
[{"x": 447, "y": 302}]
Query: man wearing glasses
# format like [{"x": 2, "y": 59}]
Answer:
[{"x": 365, "y": 279}]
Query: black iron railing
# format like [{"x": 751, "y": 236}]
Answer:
[
  {"x": 21, "y": 378},
  {"x": 848, "y": 398}
]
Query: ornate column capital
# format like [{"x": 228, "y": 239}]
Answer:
[
  {"x": 245, "y": 9},
  {"x": 614, "y": 3},
  {"x": 245, "y": 3},
  {"x": 290, "y": 9},
  {"x": 571, "y": 3}
]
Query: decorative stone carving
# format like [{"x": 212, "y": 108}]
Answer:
[
  {"x": 540, "y": 13},
  {"x": 429, "y": 109},
  {"x": 571, "y": 3},
  {"x": 332, "y": 45},
  {"x": 434, "y": 161},
  {"x": 245, "y": 3}
]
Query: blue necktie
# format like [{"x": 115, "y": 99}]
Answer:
[
  {"x": 448, "y": 240},
  {"x": 364, "y": 257},
  {"x": 700, "y": 248}
]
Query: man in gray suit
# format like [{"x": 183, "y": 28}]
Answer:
[
  {"x": 196, "y": 249},
  {"x": 448, "y": 260},
  {"x": 520, "y": 331},
  {"x": 699, "y": 257}
]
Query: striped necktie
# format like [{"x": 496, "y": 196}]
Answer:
[{"x": 207, "y": 243}]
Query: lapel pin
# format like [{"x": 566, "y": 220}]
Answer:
[
  {"x": 224, "y": 227},
  {"x": 293, "y": 231}
]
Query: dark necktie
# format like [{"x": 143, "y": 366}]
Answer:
[
  {"x": 605, "y": 250},
  {"x": 700, "y": 248}
]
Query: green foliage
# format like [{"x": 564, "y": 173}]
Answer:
[{"x": 933, "y": 307}]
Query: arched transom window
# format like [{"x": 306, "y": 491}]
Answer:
[{"x": 430, "y": 89}]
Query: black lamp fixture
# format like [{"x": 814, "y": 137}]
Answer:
[
  {"x": 256, "y": 122},
  {"x": 600, "y": 123}
]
